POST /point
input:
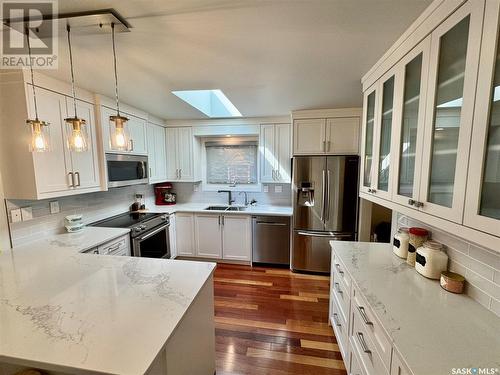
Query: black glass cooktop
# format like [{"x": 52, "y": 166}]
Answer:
[{"x": 126, "y": 220}]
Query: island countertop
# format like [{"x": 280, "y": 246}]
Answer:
[
  {"x": 433, "y": 330},
  {"x": 83, "y": 313}
]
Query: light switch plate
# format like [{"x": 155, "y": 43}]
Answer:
[
  {"x": 266, "y": 189},
  {"x": 26, "y": 213},
  {"x": 54, "y": 207},
  {"x": 15, "y": 215},
  {"x": 278, "y": 189}
]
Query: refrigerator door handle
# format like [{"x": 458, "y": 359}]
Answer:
[
  {"x": 323, "y": 234},
  {"x": 323, "y": 198},
  {"x": 327, "y": 202}
]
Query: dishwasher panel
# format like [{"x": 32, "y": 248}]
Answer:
[{"x": 271, "y": 240}]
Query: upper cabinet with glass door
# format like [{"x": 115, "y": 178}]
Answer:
[
  {"x": 454, "y": 59},
  {"x": 482, "y": 209},
  {"x": 409, "y": 124},
  {"x": 377, "y": 133}
]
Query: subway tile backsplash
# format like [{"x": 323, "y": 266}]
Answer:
[
  {"x": 479, "y": 266},
  {"x": 93, "y": 207}
]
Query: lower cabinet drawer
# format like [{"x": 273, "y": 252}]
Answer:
[
  {"x": 118, "y": 246},
  {"x": 373, "y": 329},
  {"x": 341, "y": 328},
  {"x": 355, "y": 367},
  {"x": 366, "y": 350},
  {"x": 341, "y": 294}
]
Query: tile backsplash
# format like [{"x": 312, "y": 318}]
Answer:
[
  {"x": 93, "y": 206},
  {"x": 479, "y": 266},
  {"x": 186, "y": 193}
]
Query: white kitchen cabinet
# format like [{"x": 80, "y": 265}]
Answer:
[
  {"x": 84, "y": 165},
  {"x": 454, "y": 60},
  {"x": 59, "y": 171},
  {"x": 482, "y": 209},
  {"x": 181, "y": 154},
  {"x": 135, "y": 127},
  {"x": 172, "y": 237},
  {"x": 157, "y": 157},
  {"x": 274, "y": 146},
  {"x": 208, "y": 229},
  {"x": 184, "y": 234},
  {"x": 397, "y": 365},
  {"x": 138, "y": 137},
  {"x": 309, "y": 136},
  {"x": 326, "y": 136},
  {"x": 237, "y": 237},
  {"x": 370, "y": 115},
  {"x": 408, "y": 138},
  {"x": 227, "y": 237},
  {"x": 342, "y": 135}
]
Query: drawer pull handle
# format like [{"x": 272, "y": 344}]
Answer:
[
  {"x": 338, "y": 269},
  {"x": 337, "y": 288},
  {"x": 363, "y": 316},
  {"x": 362, "y": 342},
  {"x": 335, "y": 320}
]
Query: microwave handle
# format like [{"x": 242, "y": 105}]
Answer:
[{"x": 143, "y": 170}]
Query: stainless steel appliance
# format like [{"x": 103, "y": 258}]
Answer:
[
  {"x": 325, "y": 199},
  {"x": 124, "y": 170},
  {"x": 271, "y": 240},
  {"x": 148, "y": 232}
]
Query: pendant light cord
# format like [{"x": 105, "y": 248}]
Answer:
[
  {"x": 31, "y": 70},
  {"x": 114, "y": 64},
  {"x": 72, "y": 73}
]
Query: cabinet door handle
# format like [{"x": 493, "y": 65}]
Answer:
[
  {"x": 419, "y": 204},
  {"x": 328, "y": 145},
  {"x": 339, "y": 270},
  {"x": 411, "y": 202},
  {"x": 131, "y": 145},
  {"x": 337, "y": 288},
  {"x": 176, "y": 173},
  {"x": 72, "y": 179},
  {"x": 223, "y": 220},
  {"x": 362, "y": 312},
  {"x": 324, "y": 146},
  {"x": 180, "y": 173},
  {"x": 77, "y": 177},
  {"x": 335, "y": 320},
  {"x": 362, "y": 342},
  {"x": 150, "y": 172},
  {"x": 219, "y": 220}
]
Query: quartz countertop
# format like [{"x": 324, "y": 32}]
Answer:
[
  {"x": 71, "y": 312},
  {"x": 433, "y": 330},
  {"x": 201, "y": 207}
]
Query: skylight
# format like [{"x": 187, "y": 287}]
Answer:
[{"x": 212, "y": 103}]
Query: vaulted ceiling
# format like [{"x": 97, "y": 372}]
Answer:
[{"x": 268, "y": 56}]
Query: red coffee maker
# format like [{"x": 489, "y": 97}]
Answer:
[{"x": 164, "y": 195}]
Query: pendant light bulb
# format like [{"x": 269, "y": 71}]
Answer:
[
  {"x": 77, "y": 133},
  {"x": 120, "y": 139},
  {"x": 39, "y": 129}
]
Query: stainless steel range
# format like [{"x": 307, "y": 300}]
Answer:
[{"x": 148, "y": 232}]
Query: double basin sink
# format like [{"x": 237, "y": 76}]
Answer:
[{"x": 225, "y": 208}]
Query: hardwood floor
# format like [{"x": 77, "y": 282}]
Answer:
[{"x": 272, "y": 321}]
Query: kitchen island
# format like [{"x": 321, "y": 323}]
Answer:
[{"x": 71, "y": 313}]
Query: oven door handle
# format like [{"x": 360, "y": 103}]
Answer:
[{"x": 152, "y": 233}]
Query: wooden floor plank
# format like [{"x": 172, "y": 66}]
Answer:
[
  {"x": 273, "y": 322},
  {"x": 296, "y": 358}
]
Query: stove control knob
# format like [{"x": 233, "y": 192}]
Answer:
[
  {"x": 136, "y": 229},
  {"x": 163, "y": 217},
  {"x": 142, "y": 227}
]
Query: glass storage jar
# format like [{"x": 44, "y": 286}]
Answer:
[
  {"x": 400, "y": 243},
  {"x": 431, "y": 260},
  {"x": 417, "y": 237}
]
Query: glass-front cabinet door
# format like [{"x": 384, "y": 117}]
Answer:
[
  {"x": 482, "y": 209},
  {"x": 454, "y": 59},
  {"x": 411, "y": 73},
  {"x": 367, "y": 140},
  {"x": 383, "y": 138}
]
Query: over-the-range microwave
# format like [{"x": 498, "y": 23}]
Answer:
[{"x": 124, "y": 170}]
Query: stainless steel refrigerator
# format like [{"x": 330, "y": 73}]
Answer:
[{"x": 325, "y": 208}]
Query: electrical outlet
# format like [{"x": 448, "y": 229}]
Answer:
[
  {"x": 266, "y": 189},
  {"x": 15, "y": 215},
  {"x": 54, "y": 207},
  {"x": 26, "y": 213},
  {"x": 196, "y": 188},
  {"x": 278, "y": 189}
]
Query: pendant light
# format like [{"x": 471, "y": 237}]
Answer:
[
  {"x": 77, "y": 130},
  {"x": 120, "y": 139},
  {"x": 40, "y": 134}
]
